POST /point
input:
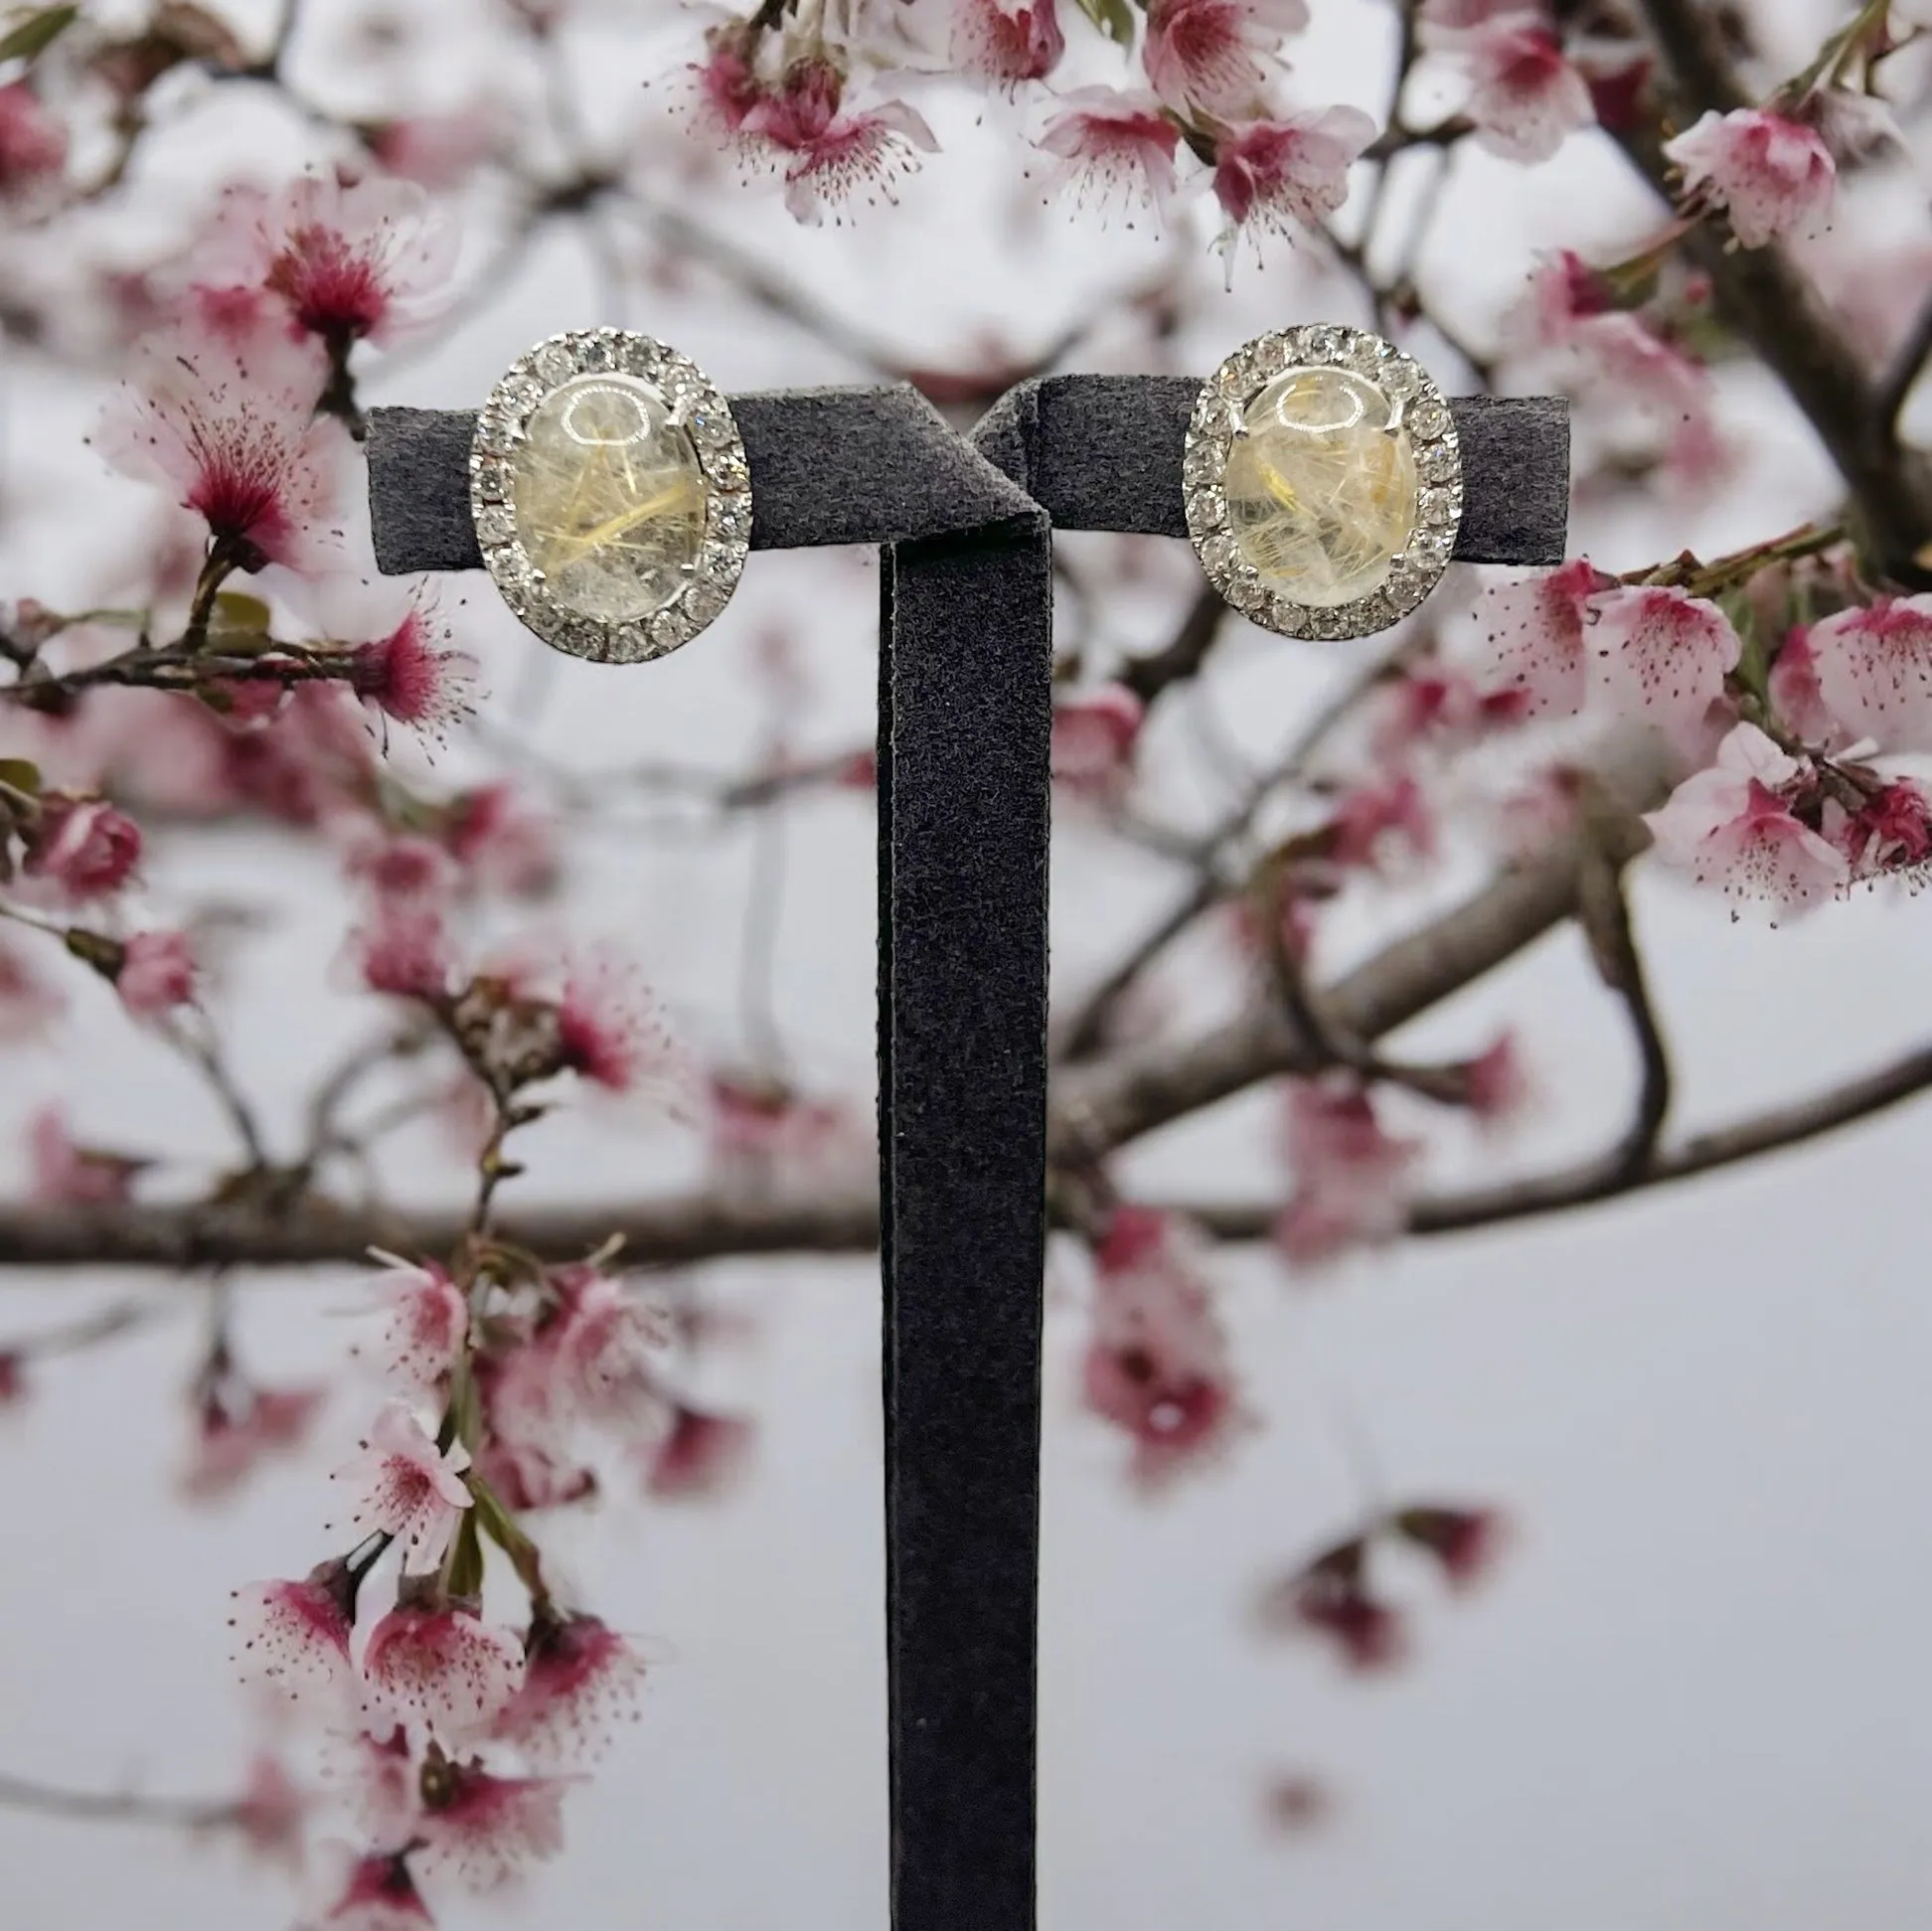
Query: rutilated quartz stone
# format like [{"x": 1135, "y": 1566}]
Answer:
[
  {"x": 1320, "y": 485},
  {"x": 609, "y": 498}
]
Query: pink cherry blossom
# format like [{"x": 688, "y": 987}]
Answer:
[
  {"x": 581, "y": 1681},
  {"x": 726, "y": 90},
  {"x": 272, "y": 1812},
  {"x": 1467, "y": 1542},
  {"x": 1436, "y": 705},
  {"x": 613, "y": 1032},
  {"x": 761, "y": 1132},
  {"x": 830, "y": 151},
  {"x": 1008, "y": 40},
  {"x": 1525, "y": 96},
  {"x": 1157, "y": 1360},
  {"x": 400, "y": 865},
  {"x": 404, "y": 949},
  {"x": 1294, "y": 1802},
  {"x": 1891, "y": 831},
  {"x": 529, "y": 1404},
  {"x": 1095, "y": 734},
  {"x": 610, "y": 1346},
  {"x": 411, "y": 676},
  {"x": 1351, "y": 1178},
  {"x": 1731, "y": 827},
  {"x": 83, "y": 847},
  {"x": 294, "y": 1636},
  {"x": 502, "y": 840},
  {"x": 66, "y": 1174},
  {"x": 1771, "y": 174},
  {"x": 441, "y": 1666},
  {"x": 482, "y": 1829},
  {"x": 1657, "y": 652},
  {"x": 1331, "y": 1599},
  {"x": 1380, "y": 822},
  {"x": 233, "y": 429},
  {"x": 1563, "y": 289},
  {"x": 348, "y": 259},
  {"x": 33, "y": 147},
  {"x": 235, "y": 1434},
  {"x": 1279, "y": 176},
  {"x": 375, "y": 1775},
  {"x": 527, "y": 1475},
  {"x": 1496, "y": 1087},
  {"x": 408, "y": 1487},
  {"x": 1794, "y": 692},
  {"x": 1215, "y": 57},
  {"x": 440, "y": 151},
  {"x": 1115, "y": 149},
  {"x": 1874, "y": 670},
  {"x": 700, "y": 1456},
  {"x": 428, "y": 1323},
  {"x": 374, "y": 1894},
  {"x": 1635, "y": 361},
  {"x": 156, "y": 973}
]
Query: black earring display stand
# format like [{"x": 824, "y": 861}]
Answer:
[{"x": 964, "y": 723}]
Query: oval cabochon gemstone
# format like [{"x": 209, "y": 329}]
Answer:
[
  {"x": 609, "y": 498},
  {"x": 1320, "y": 485}
]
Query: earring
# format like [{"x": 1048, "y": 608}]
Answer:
[
  {"x": 610, "y": 495},
  {"x": 1324, "y": 482}
]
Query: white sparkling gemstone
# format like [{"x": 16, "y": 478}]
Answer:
[
  {"x": 609, "y": 497},
  {"x": 1428, "y": 417},
  {"x": 1321, "y": 486}
]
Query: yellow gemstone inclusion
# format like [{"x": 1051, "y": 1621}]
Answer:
[
  {"x": 1320, "y": 486},
  {"x": 609, "y": 498}
]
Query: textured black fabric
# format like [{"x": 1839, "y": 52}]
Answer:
[
  {"x": 965, "y": 718},
  {"x": 875, "y": 465},
  {"x": 1103, "y": 452},
  {"x": 827, "y": 466}
]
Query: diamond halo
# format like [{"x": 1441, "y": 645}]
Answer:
[
  {"x": 1418, "y": 409},
  {"x": 691, "y": 406}
]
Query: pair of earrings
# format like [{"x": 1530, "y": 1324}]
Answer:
[{"x": 612, "y": 501}]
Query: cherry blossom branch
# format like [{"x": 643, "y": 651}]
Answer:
[
  {"x": 1084, "y": 1032},
  {"x": 1098, "y": 1108},
  {"x": 1907, "y": 365},
  {"x": 1183, "y": 656},
  {"x": 1773, "y": 305},
  {"x": 77, "y": 1337},
  {"x": 1604, "y": 912},
  {"x": 116, "y": 1807},
  {"x": 1607, "y": 1178},
  {"x": 702, "y": 1227}
]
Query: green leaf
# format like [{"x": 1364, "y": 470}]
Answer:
[
  {"x": 37, "y": 33},
  {"x": 19, "y": 774},
  {"x": 1114, "y": 18}
]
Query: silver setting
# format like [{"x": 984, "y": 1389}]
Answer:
[
  {"x": 696, "y": 407},
  {"x": 1419, "y": 407}
]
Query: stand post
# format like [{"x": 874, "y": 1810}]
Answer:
[{"x": 964, "y": 724}]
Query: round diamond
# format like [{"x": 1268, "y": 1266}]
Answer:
[
  {"x": 609, "y": 498},
  {"x": 1428, "y": 417},
  {"x": 1320, "y": 486},
  {"x": 495, "y": 524}
]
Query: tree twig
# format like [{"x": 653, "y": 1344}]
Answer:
[{"x": 1594, "y": 1180}]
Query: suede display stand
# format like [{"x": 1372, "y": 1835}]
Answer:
[{"x": 964, "y": 726}]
